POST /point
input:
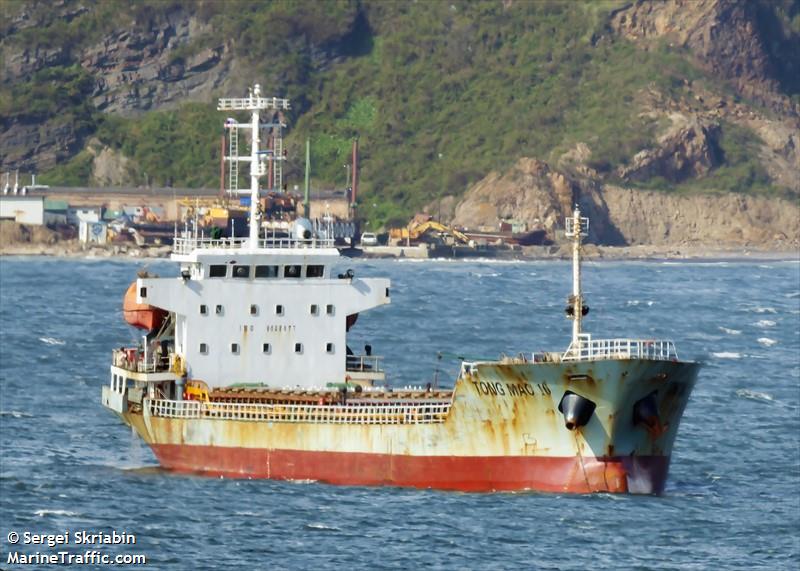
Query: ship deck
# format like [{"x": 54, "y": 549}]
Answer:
[
  {"x": 270, "y": 395},
  {"x": 330, "y": 406}
]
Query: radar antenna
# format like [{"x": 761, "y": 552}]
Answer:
[{"x": 261, "y": 162}]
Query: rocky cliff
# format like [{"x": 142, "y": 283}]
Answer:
[
  {"x": 711, "y": 102},
  {"x": 740, "y": 42},
  {"x": 136, "y": 66},
  {"x": 533, "y": 192},
  {"x": 131, "y": 58}
]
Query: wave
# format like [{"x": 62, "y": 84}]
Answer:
[
  {"x": 764, "y": 310},
  {"x": 765, "y": 323},
  {"x": 754, "y": 395},
  {"x": 730, "y": 331},
  {"x": 727, "y": 355},
  {"x": 637, "y": 302},
  {"x": 247, "y": 514},
  {"x": 15, "y": 414},
  {"x": 42, "y": 513},
  {"x": 322, "y": 527},
  {"x": 767, "y": 342},
  {"x": 52, "y": 341}
]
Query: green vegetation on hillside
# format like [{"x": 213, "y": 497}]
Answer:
[
  {"x": 170, "y": 148},
  {"x": 741, "y": 170},
  {"x": 466, "y": 88},
  {"x": 54, "y": 92},
  {"x": 439, "y": 93}
]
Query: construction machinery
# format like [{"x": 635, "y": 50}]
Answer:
[{"x": 423, "y": 228}]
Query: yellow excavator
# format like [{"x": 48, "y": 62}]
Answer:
[{"x": 420, "y": 225}]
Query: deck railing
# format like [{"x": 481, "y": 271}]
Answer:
[
  {"x": 403, "y": 413},
  {"x": 588, "y": 349},
  {"x": 236, "y": 103},
  {"x": 132, "y": 360},
  {"x": 185, "y": 246},
  {"x": 174, "y": 408},
  {"x": 364, "y": 363}
]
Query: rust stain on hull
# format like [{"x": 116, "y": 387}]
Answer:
[{"x": 503, "y": 432}]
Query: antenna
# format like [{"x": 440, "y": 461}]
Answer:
[
  {"x": 576, "y": 228},
  {"x": 306, "y": 201},
  {"x": 258, "y": 159}
]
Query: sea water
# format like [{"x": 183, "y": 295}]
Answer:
[{"x": 732, "y": 499}]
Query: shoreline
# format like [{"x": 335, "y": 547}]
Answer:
[{"x": 592, "y": 253}]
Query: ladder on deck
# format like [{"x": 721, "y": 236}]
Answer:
[
  {"x": 277, "y": 159},
  {"x": 233, "y": 156}
]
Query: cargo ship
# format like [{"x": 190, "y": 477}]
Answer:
[{"x": 244, "y": 370}]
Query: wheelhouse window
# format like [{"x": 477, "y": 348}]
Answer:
[
  {"x": 203, "y": 309},
  {"x": 218, "y": 310},
  {"x": 329, "y": 309},
  {"x": 235, "y": 348},
  {"x": 315, "y": 271},
  {"x": 266, "y": 348},
  {"x": 254, "y": 310},
  {"x": 266, "y": 272},
  {"x": 293, "y": 271},
  {"x": 143, "y": 291},
  {"x": 241, "y": 272},
  {"x": 204, "y": 348},
  {"x": 298, "y": 347},
  {"x": 278, "y": 310},
  {"x": 217, "y": 270},
  {"x": 329, "y": 347},
  {"x": 314, "y": 309}
]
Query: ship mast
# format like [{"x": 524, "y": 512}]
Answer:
[
  {"x": 260, "y": 161},
  {"x": 576, "y": 228}
]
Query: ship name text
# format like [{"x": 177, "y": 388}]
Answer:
[{"x": 494, "y": 388}]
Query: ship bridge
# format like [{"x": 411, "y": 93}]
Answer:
[
  {"x": 263, "y": 309},
  {"x": 274, "y": 315}
]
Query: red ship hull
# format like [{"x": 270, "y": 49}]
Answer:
[{"x": 637, "y": 474}]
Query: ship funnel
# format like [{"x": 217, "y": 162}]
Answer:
[{"x": 576, "y": 409}]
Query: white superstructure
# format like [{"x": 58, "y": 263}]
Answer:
[{"x": 261, "y": 310}]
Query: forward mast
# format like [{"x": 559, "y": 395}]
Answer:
[{"x": 576, "y": 228}]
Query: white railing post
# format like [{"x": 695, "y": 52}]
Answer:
[{"x": 403, "y": 413}]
